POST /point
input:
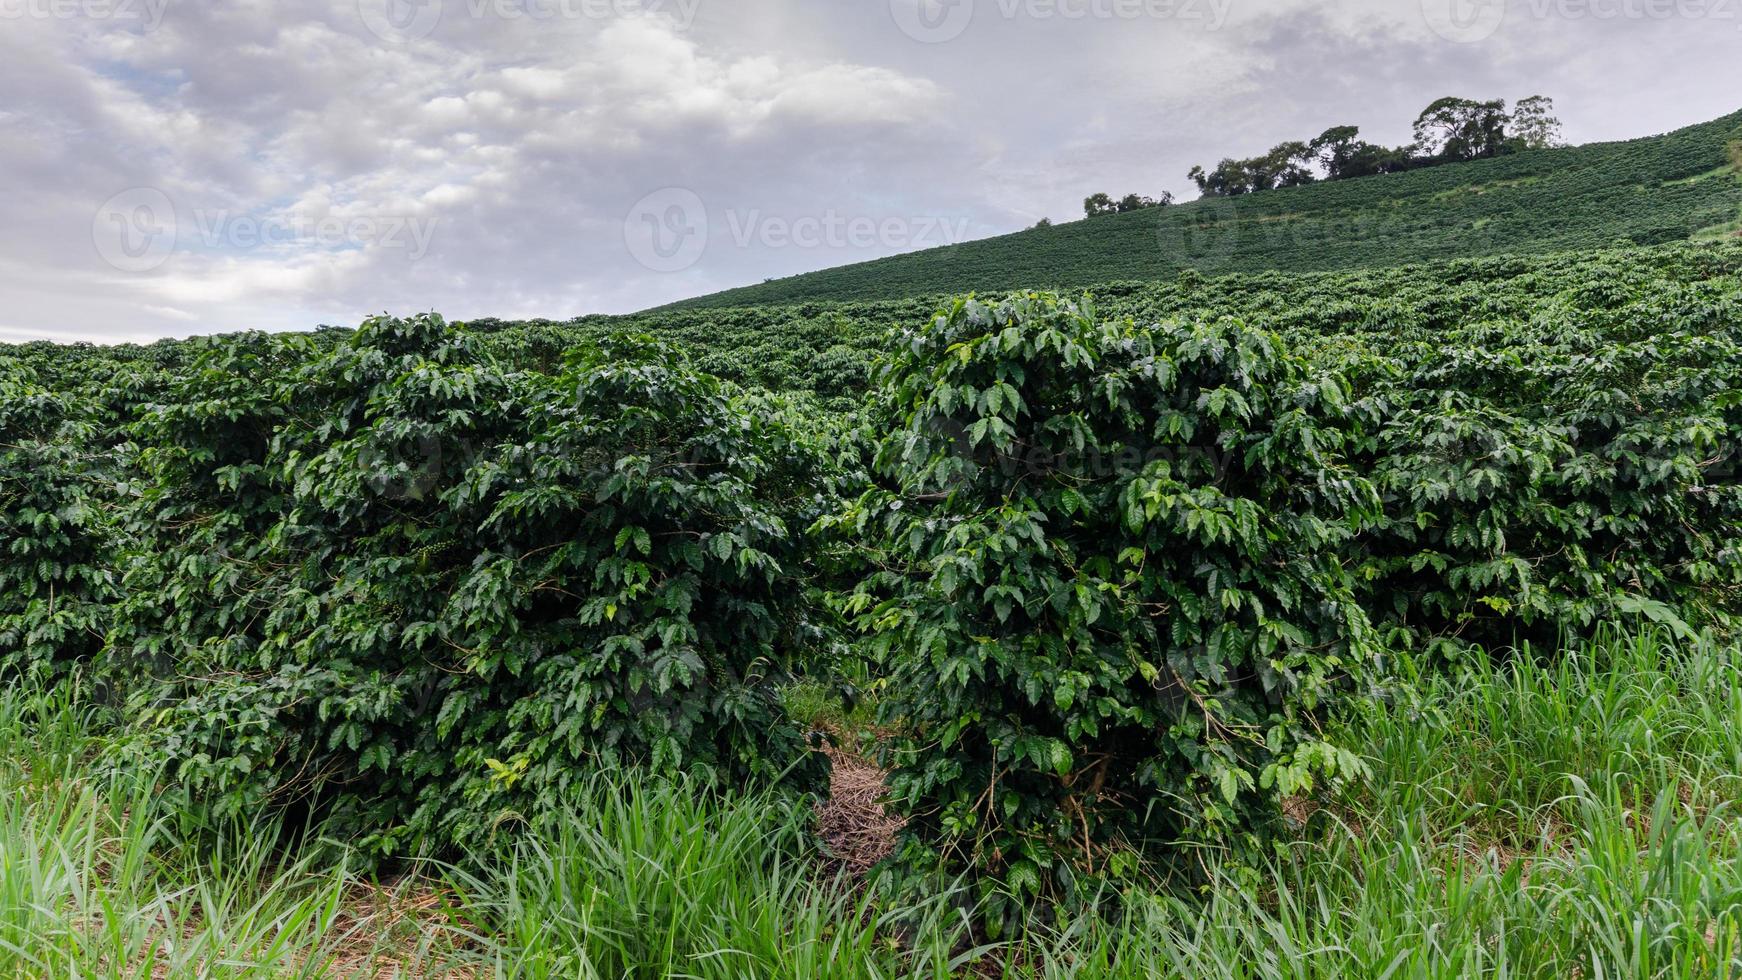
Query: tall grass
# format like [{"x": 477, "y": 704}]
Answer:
[
  {"x": 100, "y": 878},
  {"x": 1573, "y": 815},
  {"x": 666, "y": 879}
]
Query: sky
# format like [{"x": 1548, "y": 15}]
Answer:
[{"x": 172, "y": 168}]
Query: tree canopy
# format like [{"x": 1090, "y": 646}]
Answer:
[
  {"x": 1450, "y": 130},
  {"x": 1096, "y": 205}
]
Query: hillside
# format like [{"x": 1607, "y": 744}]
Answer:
[
  {"x": 826, "y": 348},
  {"x": 1647, "y": 191}
]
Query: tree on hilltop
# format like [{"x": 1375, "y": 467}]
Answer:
[
  {"x": 1534, "y": 126},
  {"x": 1096, "y": 205}
]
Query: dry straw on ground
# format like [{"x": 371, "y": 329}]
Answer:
[{"x": 854, "y": 825}]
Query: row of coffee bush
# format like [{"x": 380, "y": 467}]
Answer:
[{"x": 1117, "y": 572}]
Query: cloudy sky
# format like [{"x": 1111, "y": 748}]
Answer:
[{"x": 173, "y": 167}]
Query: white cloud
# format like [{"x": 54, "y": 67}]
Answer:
[
  {"x": 509, "y": 149},
  {"x": 315, "y": 171}
]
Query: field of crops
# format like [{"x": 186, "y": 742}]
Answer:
[
  {"x": 1366, "y": 623},
  {"x": 1648, "y": 191}
]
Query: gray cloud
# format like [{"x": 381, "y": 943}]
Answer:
[{"x": 176, "y": 167}]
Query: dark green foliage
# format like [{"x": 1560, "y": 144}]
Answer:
[
  {"x": 1534, "y": 125},
  {"x": 1555, "y": 474},
  {"x": 1551, "y": 432},
  {"x": 57, "y": 537},
  {"x": 1344, "y": 155},
  {"x": 207, "y": 498},
  {"x": 428, "y": 593},
  {"x": 817, "y": 349},
  {"x": 1104, "y": 578},
  {"x": 827, "y": 349},
  {"x": 1454, "y": 129},
  {"x": 1451, "y": 130},
  {"x": 1097, "y": 205},
  {"x": 1499, "y": 452},
  {"x": 1286, "y": 165},
  {"x": 1587, "y": 197},
  {"x": 423, "y": 579}
]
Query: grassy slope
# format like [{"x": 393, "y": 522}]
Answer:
[{"x": 1646, "y": 191}]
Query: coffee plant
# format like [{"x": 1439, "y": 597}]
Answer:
[
  {"x": 57, "y": 534},
  {"x": 421, "y": 593},
  {"x": 1104, "y": 579},
  {"x": 1555, "y": 475}
]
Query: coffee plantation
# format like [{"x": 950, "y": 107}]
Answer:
[
  {"x": 1649, "y": 191},
  {"x": 1118, "y": 568}
]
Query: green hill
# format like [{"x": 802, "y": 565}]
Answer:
[{"x": 1648, "y": 191}]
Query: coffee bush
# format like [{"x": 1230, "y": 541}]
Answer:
[
  {"x": 425, "y": 595},
  {"x": 1104, "y": 579},
  {"x": 1545, "y": 476},
  {"x": 57, "y": 532}
]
